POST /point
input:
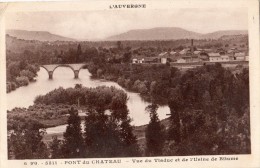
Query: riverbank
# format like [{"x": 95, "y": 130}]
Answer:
[
  {"x": 154, "y": 82},
  {"x": 151, "y": 82},
  {"x": 197, "y": 95},
  {"x": 48, "y": 115},
  {"x": 64, "y": 77},
  {"x": 20, "y": 73}
]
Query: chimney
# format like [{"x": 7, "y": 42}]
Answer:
[{"x": 192, "y": 47}]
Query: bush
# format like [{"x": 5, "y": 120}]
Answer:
[
  {"x": 10, "y": 86},
  {"x": 30, "y": 75},
  {"x": 99, "y": 72},
  {"x": 121, "y": 81},
  {"x": 22, "y": 80}
]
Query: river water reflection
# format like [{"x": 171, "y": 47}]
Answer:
[{"x": 64, "y": 77}]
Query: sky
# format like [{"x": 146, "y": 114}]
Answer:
[{"x": 101, "y": 24}]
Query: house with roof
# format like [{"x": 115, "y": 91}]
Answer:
[
  {"x": 138, "y": 60},
  {"x": 187, "y": 58},
  {"x": 151, "y": 60},
  {"x": 199, "y": 49},
  {"x": 214, "y": 57},
  {"x": 172, "y": 56},
  {"x": 217, "y": 57},
  {"x": 181, "y": 60},
  {"x": 239, "y": 56},
  {"x": 184, "y": 51},
  {"x": 197, "y": 52},
  {"x": 163, "y": 54},
  {"x": 163, "y": 57},
  {"x": 190, "y": 58},
  {"x": 232, "y": 51},
  {"x": 173, "y": 53}
]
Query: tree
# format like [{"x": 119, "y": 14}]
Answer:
[
  {"x": 176, "y": 106},
  {"x": 127, "y": 57},
  {"x": 129, "y": 140},
  {"x": 25, "y": 142},
  {"x": 73, "y": 146},
  {"x": 108, "y": 132},
  {"x": 154, "y": 133},
  {"x": 99, "y": 73},
  {"x": 78, "y": 86},
  {"x": 55, "y": 148},
  {"x": 71, "y": 56},
  {"x": 23, "y": 64},
  {"x": 119, "y": 45},
  {"x": 79, "y": 53},
  {"x": 13, "y": 70},
  {"x": 101, "y": 136}
]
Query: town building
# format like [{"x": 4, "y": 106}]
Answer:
[
  {"x": 138, "y": 61},
  {"x": 181, "y": 60},
  {"x": 217, "y": 57},
  {"x": 240, "y": 56},
  {"x": 192, "y": 54},
  {"x": 151, "y": 60}
]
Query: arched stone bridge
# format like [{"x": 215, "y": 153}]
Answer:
[{"x": 74, "y": 67}]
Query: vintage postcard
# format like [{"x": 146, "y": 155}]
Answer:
[{"x": 130, "y": 83}]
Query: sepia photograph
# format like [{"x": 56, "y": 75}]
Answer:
[{"x": 123, "y": 82}]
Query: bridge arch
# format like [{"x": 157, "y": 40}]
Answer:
[
  {"x": 76, "y": 74},
  {"x": 51, "y": 68},
  {"x": 44, "y": 68},
  {"x": 49, "y": 71}
]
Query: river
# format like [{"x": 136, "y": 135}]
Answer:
[{"x": 64, "y": 77}]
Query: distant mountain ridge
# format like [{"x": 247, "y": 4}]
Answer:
[
  {"x": 219, "y": 34},
  {"x": 171, "y": 33},
  {"x": 158, "y": 33},
  {"x": 37, "y": 35}
]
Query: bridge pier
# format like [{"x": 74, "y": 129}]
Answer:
[
  {"x": 50, "y": 74},
  {"x": 76, "y": 74}
]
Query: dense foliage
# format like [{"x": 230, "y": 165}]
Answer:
[
  {"x": 39, "y": 53},
  {"x": 147, "y": 80},
  {"x": 47, "y": 115},
  {"x": 24, "y": 56},
  {"x": 19, "y": 73},
  {"x": 21, "y": 69},
  {"x": 107, "y": 130},
  {"x": 141, "y": 47},
  {"x": 204, "y": 101},
  {"x": 209, "y": 105},
  {"x": 154, "y": 133},
  {"x": 209, "y": 113},
  {"x": 106, "y": 135},
  {"x": 73, "y": 146},
  {"x": 25, "y": 141}
]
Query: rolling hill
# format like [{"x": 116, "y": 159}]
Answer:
[
  {"x": 219, "y": 34},
  {"x": 37, "y": 35},
  {"x": 170, "y": 33},
  {"x": 160, "y": 33}
]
